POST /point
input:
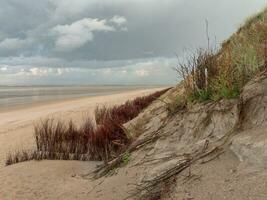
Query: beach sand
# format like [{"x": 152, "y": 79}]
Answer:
[{"x": 48, "y": 179}]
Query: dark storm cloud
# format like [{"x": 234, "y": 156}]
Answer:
[{"x": 111, "y": 34}]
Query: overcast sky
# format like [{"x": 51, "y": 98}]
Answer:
[{"x": 108, "y": 41}]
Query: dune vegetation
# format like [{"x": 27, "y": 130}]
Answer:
[{"x": 211, "y": 74}]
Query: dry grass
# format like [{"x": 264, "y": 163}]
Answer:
[
  {"x": 103, "y": 141},
  {"x": 210, "y": 75},
  {"x": 19, "y": 156},
  {"x": 197, "y": 70}
]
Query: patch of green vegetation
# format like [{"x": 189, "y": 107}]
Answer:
[
  {"x": 226, "y": 93},
  {"x": 200, "y": 96},
  {"x": 126, "y": 157},
  {"x": 223, "y": 88}
]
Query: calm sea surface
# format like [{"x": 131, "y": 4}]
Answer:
[{"x": 11, "y": 96}]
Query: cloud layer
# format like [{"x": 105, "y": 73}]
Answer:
[
  {"x": 146, "y": 71},
  {"x": 108, "y": 41}
]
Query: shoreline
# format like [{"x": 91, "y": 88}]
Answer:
[
  {"x": 44, "y": 102},
  {"x": 51, "y": 100}
]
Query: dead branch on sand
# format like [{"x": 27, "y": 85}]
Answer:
[{"x": 150, "y": 189}]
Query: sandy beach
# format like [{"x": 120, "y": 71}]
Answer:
[
  {"x": 48, "y": 179},
  {"x": 17, "y": 125}
]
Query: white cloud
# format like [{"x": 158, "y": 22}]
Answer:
[
  {"x": 106, "y": 71},
  {"x": 78, "y": 33},
  {"x": 3, "y": 68},
  {"x": 12, "y": 43},
  {"x": 38, "y": 72},
  {"x": 124, "y": 72},
  {"x": 142, "y": 72},
  {"x": 33, "y": 71},
  {"x": 42, "y": 71},
  {"x": 61, "y": 71},
  {"x": 119, "y": 20}
]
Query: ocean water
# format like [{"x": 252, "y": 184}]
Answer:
[{"x": 11, "y": 96}]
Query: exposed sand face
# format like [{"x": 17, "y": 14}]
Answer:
[{"x": 17, "y": 125}]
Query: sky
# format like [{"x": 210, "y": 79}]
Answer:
[{"x": 57, "y": 42}]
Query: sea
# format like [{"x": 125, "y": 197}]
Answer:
[{"x": 11, "y": 96}]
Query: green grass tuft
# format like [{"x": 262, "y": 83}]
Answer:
[{"x": 126, "y": 158}]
